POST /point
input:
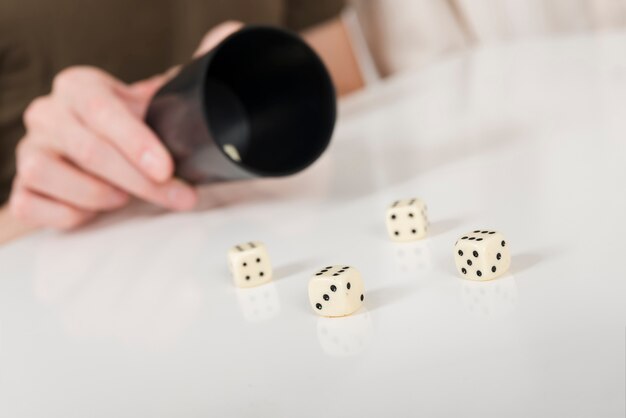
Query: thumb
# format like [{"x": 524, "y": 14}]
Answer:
[
  {"x": 139, "y": 94},
  {"x": 148, "y": 87},
  {"x": 217, "y": 35}
]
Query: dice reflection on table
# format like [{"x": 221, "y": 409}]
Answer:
[
  {"x": 492, "y": 298},
  {"x": 411, "y": 258},
  {"x": 345, "y": 336},
  {"x": 259, "y": 303}
]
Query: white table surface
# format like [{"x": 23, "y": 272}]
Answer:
[{"x": 136, "y": 316}]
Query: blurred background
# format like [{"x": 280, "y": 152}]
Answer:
[{"x": 402, "y": 35}]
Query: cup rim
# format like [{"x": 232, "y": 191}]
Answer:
[{"x": 323, "y": 71}]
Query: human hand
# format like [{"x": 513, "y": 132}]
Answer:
[{"x": 87, "y": 149}]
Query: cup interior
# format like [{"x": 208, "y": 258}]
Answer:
[{"x": 269, "y": 102}]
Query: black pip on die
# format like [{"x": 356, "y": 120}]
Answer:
[
  {"x": 336, "y": 291},
  {"x": 249, "y": 264},
  {"x": 407, "y": 220},
  {"x": 482, "y": 255}
]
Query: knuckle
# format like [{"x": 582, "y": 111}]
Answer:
[
  {"x": 22, "y": 149},
  {"x": 31, "y": 167},
  {"x": 68, "y": 78},
  {"x": 36, "y": 111},
  {"x": 19, "y": 205},
  {"x": 65, "y": 78},
  {"x": 87, "y": 152},
  {"x": 98, "y": 107}
]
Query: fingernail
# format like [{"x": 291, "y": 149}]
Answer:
[
  {"x": 181, "y": 197},
  {"x": 153, "y": 165}
]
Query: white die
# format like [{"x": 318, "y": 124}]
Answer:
[
  {"x": 336, "y": 291},
  {"x": 407, "y": 220},
  {"x": 250, "y": 264},
  {"x": 482, "y": 255}
]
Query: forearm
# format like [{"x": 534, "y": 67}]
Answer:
[{"x": 331, "y": 41}]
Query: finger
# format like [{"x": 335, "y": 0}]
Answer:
[
  {"x": 138, "y": 95},
  {"x": 141, "y": 92},
  {"x": 49, "y": 175},
  {"x": 69, "y": 138},
  {"x": 171, "y": 73},
  {"x": 93, "y": 100},
  {"x": 35, "y": 210},
  {"x": 217, "y": 35}
]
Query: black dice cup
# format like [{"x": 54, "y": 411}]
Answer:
[{"x": 259, "y": 104}]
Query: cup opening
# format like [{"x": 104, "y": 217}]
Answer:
[{"x": 269, "y": 101}]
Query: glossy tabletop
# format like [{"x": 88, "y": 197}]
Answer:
[{"x": 136, "y": 315}]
